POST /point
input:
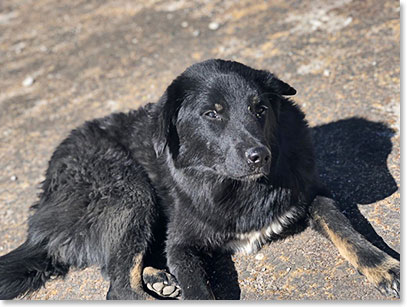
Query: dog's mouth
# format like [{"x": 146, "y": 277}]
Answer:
[{"x": 251, "y": 177}]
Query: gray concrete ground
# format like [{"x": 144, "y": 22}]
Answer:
[{"x": 64, "y": 62}]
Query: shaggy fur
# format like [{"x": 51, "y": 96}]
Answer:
[{"x": 222, "y": 162}]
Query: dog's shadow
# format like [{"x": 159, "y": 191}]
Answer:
[
  {"x": 352, "y": 161},
  {"x": 351, "y": 157}
]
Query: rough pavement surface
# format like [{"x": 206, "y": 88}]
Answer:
[{"x": 64, "y": 62}]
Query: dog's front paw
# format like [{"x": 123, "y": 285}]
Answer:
[
  {"x": 161, "y": 283},
  {"x": 390, "y": 284},
  {"x": 386, "y": 276}
]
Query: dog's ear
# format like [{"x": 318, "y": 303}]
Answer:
[
  {"x": 273, "y": 84},
  {"x": 169, "y": 105},
  {"x": 270, "y": 84}
]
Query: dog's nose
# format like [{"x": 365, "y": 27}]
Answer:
[{"x": 258, "y": 156}]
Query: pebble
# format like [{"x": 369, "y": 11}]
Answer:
[
  {"x": 13, "y": 178},
  {"x": 288, "y": 269},
  {"x": 184, "y": 24},
  {"x": 315, "y": 24},
  {"x": 43, "y": 48},
  {"x": 326, "y": 72},
  {"x": 19, "y": 47},
  {"x": 259, "y": 256},
  {"x": 213, "y": 26},
  {"x": 196, "y": 33},
  {"x": 112, "y": 104},
  {"x": 347, "y": 21},
  {"x": 28, "y": 81}
]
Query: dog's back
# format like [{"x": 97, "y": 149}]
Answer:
[{"x": 94, "y": 194}]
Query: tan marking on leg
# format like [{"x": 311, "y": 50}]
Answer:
[
  {"x": 150, "y": 271},
  {"x": 380, "y": 273},
  {"x": 345, "y": 248},
  {"x": 375, "y": 274},
  {"x": 136, "y": 271}
]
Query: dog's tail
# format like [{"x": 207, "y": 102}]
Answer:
[{"x": 26, "y": 269}]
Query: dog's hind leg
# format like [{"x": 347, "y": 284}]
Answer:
[
  {"x": 378, "y": 267},
  {"x": 126, "y": 279},
  {"x": 130, "y": 280},
  {"x": 128, "y": 246}
]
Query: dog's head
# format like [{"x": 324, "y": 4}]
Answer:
[{"x": 221, "y": 117}]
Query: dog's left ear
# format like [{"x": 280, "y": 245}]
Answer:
[
  {"x": 273, "y": 84},
  {"x": 169, "y": 104}
]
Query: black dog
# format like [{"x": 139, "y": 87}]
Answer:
[{"x": 223, "y": 162}]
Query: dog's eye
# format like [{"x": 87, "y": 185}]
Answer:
[
  {"x": 258, "y": 110},
  {"x": 212, "y": 114}
]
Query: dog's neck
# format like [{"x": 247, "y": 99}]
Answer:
[{"x": 255, "y": 201}]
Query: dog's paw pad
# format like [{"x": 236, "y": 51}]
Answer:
[
  {"x": 176, "y": 293},
  {"x": 163, "y": 290},
  {"x": 168, "y": 290},
  {"x": 158, "y": 286},
  {"x": 161, "y": 283}
]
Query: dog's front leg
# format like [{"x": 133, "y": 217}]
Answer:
[
  {"x": 185, "y": 263},
  {"x": 379, "y": 268}
]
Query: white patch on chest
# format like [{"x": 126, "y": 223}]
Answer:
[{"x": 250, "y": 242}]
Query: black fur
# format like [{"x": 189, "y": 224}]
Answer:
[{"x": 177, "y": 175}]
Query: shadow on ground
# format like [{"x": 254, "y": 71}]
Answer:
[{"x": 352, "y": 160}]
